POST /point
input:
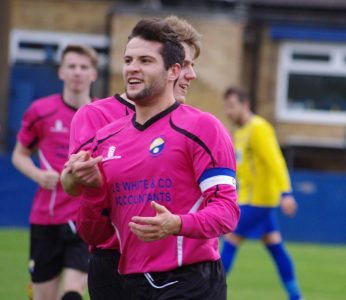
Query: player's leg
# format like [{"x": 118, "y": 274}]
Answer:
[
  {"x": 249, "y": 226},
  {"x": 231, "y": 243},
  {"x": 75, "y": 262},
  {"x": 283, "y": 262},
  {"x": 74, "y": 284},
  {"x": 46, "y": 290},
  {"x": 45, "y": 261},
  {"x": 104, "y": 281}
]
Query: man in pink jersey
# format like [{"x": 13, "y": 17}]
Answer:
[
  {"x": 55, "y": 247},
  {"x": 104, "y": 281},
  {"x": 168, "y": 175}
]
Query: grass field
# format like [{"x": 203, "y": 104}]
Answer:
[{"x": 321, "y": 270}]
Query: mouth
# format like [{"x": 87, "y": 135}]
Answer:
[
  {"x": 134, "y": 83},
  {"x": 184, "y": 87}
]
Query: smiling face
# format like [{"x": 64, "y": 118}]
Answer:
[
  {"x": 77, "y": 72},
  {"x": 143, "y": 70},
  {"x": 187, "y": 74}
]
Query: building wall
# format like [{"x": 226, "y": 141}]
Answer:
[
  {"x": 60, "y": 15},
  {"x": 77, "y": 16},
  {"x": 218, "y": 66}
]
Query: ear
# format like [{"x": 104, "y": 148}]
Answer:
[
  {"x": 174, "y": 72},
  {"x": 94, "y": 75}
]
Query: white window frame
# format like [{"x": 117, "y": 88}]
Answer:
[
  {"x": 335, "y": 66},
  {"x": 60, "y": 39}
]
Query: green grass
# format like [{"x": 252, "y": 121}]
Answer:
[{"x": 321, "y": 270}]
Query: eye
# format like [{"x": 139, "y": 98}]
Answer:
[
  {"x": 127, "y": 60},
  {"x": 145, "y": 60}
]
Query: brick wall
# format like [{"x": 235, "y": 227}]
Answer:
[{"x": 60, "y": 15}]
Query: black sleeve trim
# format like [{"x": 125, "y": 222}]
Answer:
[
  {"x": 40, "y": 118},
  {"x": 194, "y": 138},
  {"x": 84, "y": 144},
  {"x": 99, "y": 142}
]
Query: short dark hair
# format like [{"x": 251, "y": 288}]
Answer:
[
  {"x": 239, "y": 92},
  {"x": 156, "y": 30},
  {"x": 186, "y": 33},
  {"x": 83, "y": 50}
]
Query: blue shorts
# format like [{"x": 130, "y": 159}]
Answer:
[{"x": 255, "y": 222}]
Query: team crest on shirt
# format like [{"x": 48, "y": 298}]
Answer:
[
  {"x": 58, "y": 127},
  {"x": 156, "y": 146}
]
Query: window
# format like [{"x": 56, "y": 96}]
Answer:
[
  {"x": 42, "y": 46},
  {"x": 312, "y": 83}
]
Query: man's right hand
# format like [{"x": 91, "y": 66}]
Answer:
[
  {"x": 47, "y": 179},
  {"x": 84, "y": 169}
]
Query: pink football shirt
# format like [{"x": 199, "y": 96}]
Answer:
[
  {"x": 183, "y": 159},
  {"x": 46, "y": 125}
]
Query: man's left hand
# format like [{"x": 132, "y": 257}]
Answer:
[{"x": 150, "y": 229}]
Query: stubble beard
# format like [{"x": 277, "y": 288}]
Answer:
[{"x": 144, "y": 96}]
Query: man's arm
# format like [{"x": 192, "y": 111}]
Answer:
[
  {"x": 69, "y": 181},
  {"x": 21, "y": 159},
  {"x": 93, "y": 219},
  {"x": 215, "y": 171}
]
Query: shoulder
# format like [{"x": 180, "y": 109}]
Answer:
[
  {"x": 111, "y": 104},
  {"x": 46, "y": 105},
  {"x": 259, "y": 123},
  {"x": 195, "y": 120},
  {"x": 101, "y": 103},
  {"x": 113, "y": 127}
]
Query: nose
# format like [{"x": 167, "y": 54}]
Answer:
[
  {"x": 131, "y": 67},
  {"x": 78, "y": 70},
  {"x": 191, "y": 74}
]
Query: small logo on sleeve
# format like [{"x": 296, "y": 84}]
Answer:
[{"x": 156, "y": 146}]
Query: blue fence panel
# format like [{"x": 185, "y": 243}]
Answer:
[
  {"x": 28, "y": 82},
  {"x": 322, "y": 204},
  {"x": 320, "y": 219},
  {"x": 17, "y": 193}
]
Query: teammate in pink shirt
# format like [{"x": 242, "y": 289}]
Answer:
[
  {"x": 55, "y": 246},
  {"x": 104, "y": 281},
  {"x": 168, "y": 173}
]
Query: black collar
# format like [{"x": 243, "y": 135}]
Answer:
[{"x": 155, "y": 118}]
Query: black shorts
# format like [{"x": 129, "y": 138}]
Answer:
[
  {"x": 54, "y": 247},
  {"x": 202, "y": 281},
  {"x": 104, "y": 281}
]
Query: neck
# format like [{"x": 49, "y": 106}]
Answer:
[
  {"x": 246, "y": 118},
  {"x": 148, "y": 110},
  {"x": 76, "y": 99}
]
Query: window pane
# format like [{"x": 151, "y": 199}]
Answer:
[
  {"x": 317, "y": 92},
  {"x": 311, "y": 57}
]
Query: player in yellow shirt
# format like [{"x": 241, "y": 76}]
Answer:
[{"x": 263, "y": 184}]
